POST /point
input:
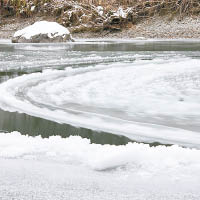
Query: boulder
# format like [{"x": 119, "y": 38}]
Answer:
[
  {"x": 116, "y": 20},
  {"x": 42, "y": 32}
]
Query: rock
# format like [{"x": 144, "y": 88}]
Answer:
[
  {"x": 115, "y": 21},
  {"x": 42, "y": 32},
  {"x": 98, "y": 21}
]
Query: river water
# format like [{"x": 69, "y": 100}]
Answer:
[
  {"x": 114, "y": 91},
  {"x": 76, "y": 120}
]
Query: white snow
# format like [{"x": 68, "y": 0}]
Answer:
[
  {"x": 100, "y": 10},
  {"x": 78, "y": 151},
  {"x": 32, "y": 8},
  {"x": 111, "y": 97},
  {"x": 121, "y": 13},
  {"x": 72, "y": 168},
  {"x": 53, "y": 29}
]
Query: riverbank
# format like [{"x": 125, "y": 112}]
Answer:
[{"x": 155, "y": 27}]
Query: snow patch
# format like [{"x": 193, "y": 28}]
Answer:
[
  {"x": 100, "y": 10},
  {"x": 53, "y": 29},
  {"x": 78, "y": 151},
  {"x": 121, "y": 13}
]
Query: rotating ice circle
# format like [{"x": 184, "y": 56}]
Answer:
[{"x": 116, "y": 98}]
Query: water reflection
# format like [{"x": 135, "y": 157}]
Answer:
[
  {"x": 110, "y": 45},
  {"x": 34, "y": 126}
]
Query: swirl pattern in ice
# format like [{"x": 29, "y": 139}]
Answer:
[{"x": 147, "y": 101}]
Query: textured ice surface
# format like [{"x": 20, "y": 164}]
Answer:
[
  {"x": 113, "y": 97},
  {"x": 37, "y": 56},
  {"x": 72, "y": 168}
]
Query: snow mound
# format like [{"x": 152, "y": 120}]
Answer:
[
  {"x": 43, "y": 31},
  {"x": 78, "y": 151}
]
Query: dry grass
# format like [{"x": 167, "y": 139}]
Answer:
[
  {"x": 149, "y": 6},
  {"x": 141, "y": 8}
]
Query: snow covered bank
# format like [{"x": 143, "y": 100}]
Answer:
[
  {"x": 77, "y": 151},
  {"x": 72, "y": 168},
  {"x": 42, "y": 32}
]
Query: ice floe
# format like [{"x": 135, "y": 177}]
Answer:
[{"x": 115, "y": 98}]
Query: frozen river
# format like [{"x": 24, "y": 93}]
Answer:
[{"x": 110, "y": 92}]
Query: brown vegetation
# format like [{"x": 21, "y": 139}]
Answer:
[
  {"x": 85, "y": 17},
  {"x": 160, "y": 6},
  {"x": 149, "y": 6},
  {"x": 144, "y": 7}
]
